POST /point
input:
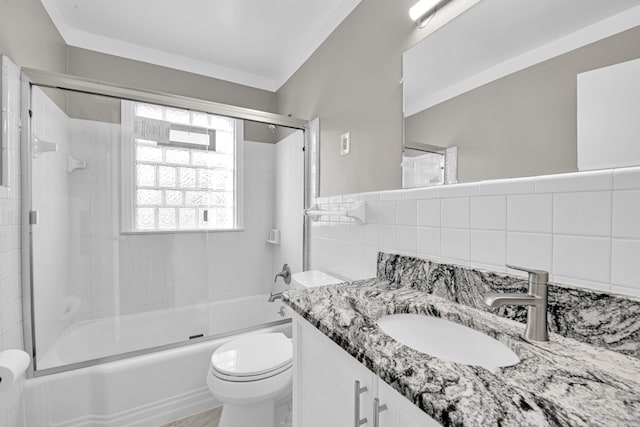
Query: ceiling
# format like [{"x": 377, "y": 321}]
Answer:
[
  {"x": 496, "y": 37},
  {"x": 258, "y": 43}
]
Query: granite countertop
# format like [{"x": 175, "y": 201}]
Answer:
[{"x": 562, "y": 382}]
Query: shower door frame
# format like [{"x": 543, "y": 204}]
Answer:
[{"x": 32, "y": 77}]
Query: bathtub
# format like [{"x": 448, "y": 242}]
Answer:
[
  {"x": 142, "y": 389},
  {"x": 95, "y": 339}
]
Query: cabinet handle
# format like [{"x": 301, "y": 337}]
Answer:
[
  {"x": 357, "y": 391},
  {"x": 377, "y": 408}
]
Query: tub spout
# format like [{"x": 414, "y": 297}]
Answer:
[{"x": 274, "y": 296}]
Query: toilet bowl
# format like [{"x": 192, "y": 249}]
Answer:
[{"x": 251, "y": 374}]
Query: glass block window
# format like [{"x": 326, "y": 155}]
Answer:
[{"x": 183, "y": 169}]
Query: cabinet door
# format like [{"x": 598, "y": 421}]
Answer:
[
  {"x": 324, "y": 393},
  {"x": 401, "y": 412}
]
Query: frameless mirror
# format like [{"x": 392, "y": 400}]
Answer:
[{"x": 499, "y": 81}]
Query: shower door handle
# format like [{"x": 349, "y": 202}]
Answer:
[{"x": 33, "y": 217}]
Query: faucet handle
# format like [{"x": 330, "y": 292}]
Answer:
[
  {"x": 538, "y": 277},
  {"x": 285, "y": 274}
]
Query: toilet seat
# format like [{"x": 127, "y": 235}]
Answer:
[{"x": 252, "y": 358}]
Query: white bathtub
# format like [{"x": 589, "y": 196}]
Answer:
[
  {"x": 94, "y": 339},
  {"x": 144, "y": 390}
]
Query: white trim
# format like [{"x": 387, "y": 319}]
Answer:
[
  {"x": 127, "y": 159},
  {"x": 285, "y": 69},
  {"x": 238, "y": 170},
  {"x": 587, "y": 35},
  {"x": 162, "y": 58},
  {"x": 154, "y": 413}
]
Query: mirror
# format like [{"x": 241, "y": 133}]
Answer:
[{"x": 499, "y": 81}]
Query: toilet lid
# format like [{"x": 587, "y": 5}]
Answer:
[{"x": 253, "y": 355}]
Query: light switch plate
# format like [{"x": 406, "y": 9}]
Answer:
[{"x": 345, "y": 143}]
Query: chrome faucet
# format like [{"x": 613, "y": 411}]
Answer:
[
  {"x": 285, "y": 274},
  {"x": 535, "y": 299},
  {"x": 274, "y": 296}
]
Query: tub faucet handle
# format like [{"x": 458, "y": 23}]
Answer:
[{"x": 285, "y": 274}]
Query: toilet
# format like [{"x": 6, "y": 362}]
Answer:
[{"x": 252, "y": 373}]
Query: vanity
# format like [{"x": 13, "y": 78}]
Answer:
[{"x": 349, "y": 372}]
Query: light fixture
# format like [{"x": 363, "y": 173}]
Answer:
[{"x": 423, "y": 10}]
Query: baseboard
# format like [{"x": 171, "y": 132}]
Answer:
[{"x": 152, "y": 414}]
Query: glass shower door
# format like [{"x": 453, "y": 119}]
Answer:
[
  {"x": 120, "y": 248},
  {"x": 152, "y": 225}
]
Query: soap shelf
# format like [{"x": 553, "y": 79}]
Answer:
[
  {"x": 41, "y": 146},
  {"x": 356, "y": 212},
  {"x": 73, "y": 164},
  {"x": 274, "y": 237}
]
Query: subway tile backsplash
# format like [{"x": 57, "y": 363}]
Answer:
[{"x": 581, "y": 227}]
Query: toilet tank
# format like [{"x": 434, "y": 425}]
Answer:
[{"x": 312, "y": 279}]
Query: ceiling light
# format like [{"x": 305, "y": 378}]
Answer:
[{"x": 421, "y": 11}]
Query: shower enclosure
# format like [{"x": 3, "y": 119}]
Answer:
[{"x": 146, "y": 218}]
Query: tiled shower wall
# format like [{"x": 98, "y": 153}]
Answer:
[
  {"x": 113, "y": 273},
  {"x": 10, "y": 294},
  {"x": 289, "y": 199},
  {"x": 584, "y": 228}
]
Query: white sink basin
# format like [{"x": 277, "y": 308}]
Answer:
[{"x": 447, "y": 340}]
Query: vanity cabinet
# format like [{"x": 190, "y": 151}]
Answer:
[{"x": 331, "y": 388}]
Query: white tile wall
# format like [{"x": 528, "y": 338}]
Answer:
[
  {"x": 488, "y": 247},
  {"x": 489, "y": 213},
  {"x": 624, "y": 269},
  {"x": 167, "y": 270},
  {"x": 530, "y": 212},
  {"x": 583, "y": 214},
  {"x": 581, "y": 227},
  {"x": 288, "y": 191},
  {"x": 455, "y": 212},
  {"x": 429, "y": 213},
  {"x": 626, "y": 213},
  {"x": 10, "y": 267},
  {"x": 454, "y": 244}
]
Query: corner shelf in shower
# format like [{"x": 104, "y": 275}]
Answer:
[
  {"x": 73, "y": 164},
  {"x": 41, "y": 146}
]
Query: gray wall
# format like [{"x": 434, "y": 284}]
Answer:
[
  {"x": 109, "y": 68},
  {"x": 28, "y": 36},
  {"x": 352, "y": 83},
  {"x": 523, "y": 124}
]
